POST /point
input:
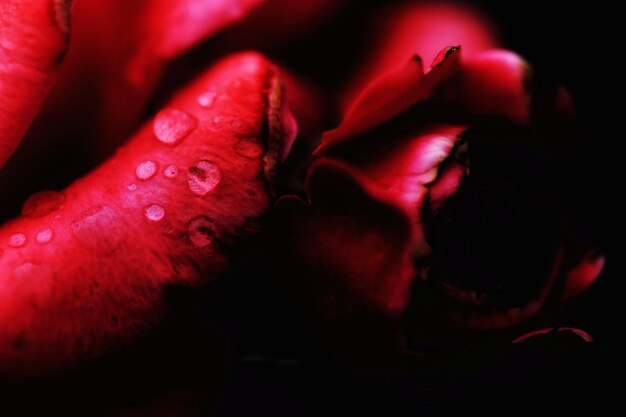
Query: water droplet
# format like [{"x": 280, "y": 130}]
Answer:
[
  {"x": 154, "y": 212},
  {"x": 203, "y": 177},
  {"x": 172, "y": 125},
  {"x": 146, "y": 170},
  {"x": 131, "y": 187},
  {"x": 44, "y": 236},
  {"x": 201, "y": 231},
  {"x": 217, "y": 120},
  {"x": 99, "y": 227},
  {"x": 40, "y": 272},
  {"x": 249, "y": 148},
  {"x": 206, "y": 99},
  {"x": 42, "y": 203},
  {"x": 17, "y": 240},
  {"x": 236, "y": 123},
  {"x": 170, "y": 171}
]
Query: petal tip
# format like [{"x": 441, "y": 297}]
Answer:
[{"x": 443, "y": 56}]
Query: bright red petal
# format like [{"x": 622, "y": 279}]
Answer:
[{"x": 85, "y": 272}]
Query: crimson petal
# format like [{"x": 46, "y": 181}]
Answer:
[
  {"x": 390, "y": 95},
  {"x": 494, "y": 83}
]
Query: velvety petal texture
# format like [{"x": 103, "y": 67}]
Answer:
[{"x": 83, "y": 271}]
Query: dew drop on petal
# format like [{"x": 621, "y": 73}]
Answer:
[
  {"x": 203, "y": 177},
  {"x": 201, "y": 231},
  {"x": 146, "y": 170},
  {"x": 131, "y": 187},
  {"x": 172, "y": 125},
  {"x": 17, "y": 240},
  {"x": 236, "y": 122},
  {"x": 206, "y": 99},
  {"x": 42, "y": 203},
  {"x": 154, "y": 212},
  {"x": 170, "y": 171},
  {"x": 217, "y": 120},
  {"x": 44, "y": 236},
  {"x": 249, "y": 148}
]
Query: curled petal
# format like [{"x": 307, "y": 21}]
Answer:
[
  {"x": 405, "y": 167},
  {"x": 390, "y": 95},
  {"x": 383, "y": 99}
]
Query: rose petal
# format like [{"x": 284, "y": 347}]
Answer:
[
  {"x": 583, "y": 275},
  {"x": 383, "y": 99},
  {"x": 586, "y": 337},
  {"x": 390, "y": 95},
  {"x": 405, "y": 167},
  {"x": 173, "y": 26},
  {"x": 353, "y": 244},
  {"x": 421, "y": 28},
  {"x": 34, "y": 39},
  {"x": 346, "y": 258},
  {"x": 117, "y": 237},
  {"x": 494, "y": 83},
  {"x": 446, "y": 184}
]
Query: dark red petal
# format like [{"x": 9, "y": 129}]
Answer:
[
  {"x": 421, "y": 28},
  {"x": 586, "y": 337},
  {"x": 556, "y": 122},
  {"x": 495, "y": 83},
  {"x": 384, "y": 98},
  {"x": 346, "y": 259},
  {"x": 390, "y": 95},
  {"x": 351, "y": 244},
  {"x": 289, "y": 20},
  {"x": 583, "y": 275}
]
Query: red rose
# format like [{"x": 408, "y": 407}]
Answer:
[
  {"x": 437, "y": 179},
  {"x": 430, "y": 217}
]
